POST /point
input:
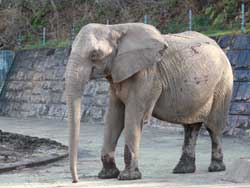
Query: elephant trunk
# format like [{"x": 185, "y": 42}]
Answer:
[
  {"x": 74, "y": 127},
  {"x": 77, "y": 74}
]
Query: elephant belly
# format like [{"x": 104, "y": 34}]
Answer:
[{"x": 185, "y": 111}]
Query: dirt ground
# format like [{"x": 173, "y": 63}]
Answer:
[
  {"x": 17, "y": 150},
  {"x": 160, "y": 152}
]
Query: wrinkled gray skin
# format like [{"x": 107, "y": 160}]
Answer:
[{"x": 183, "y": 78}]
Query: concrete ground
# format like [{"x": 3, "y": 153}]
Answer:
[{"x": 160, "y": 152}]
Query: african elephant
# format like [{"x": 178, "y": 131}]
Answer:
[{"x": 182, "y": 78}]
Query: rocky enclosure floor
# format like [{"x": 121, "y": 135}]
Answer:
[{"x": 160, "y": 152}]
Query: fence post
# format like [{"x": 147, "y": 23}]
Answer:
[
  {"x": 146, "y": 19},
  {"x": 72, "y": 33},
  {"x": 190, "y": 19},
  {"x": 44, "y": 36},
  {"x": 242, "y": 16},
  {"x": 19, "y": 40},
  {"x": 107, "y": 22}
]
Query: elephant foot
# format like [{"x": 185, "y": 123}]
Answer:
[
  {"x": 216, "y": 166},
  {"x": 109, "y": 169},
  {"x": 129, "y": 174},
  {"x": 108, "y": 173},
  {"x": 185, "y": 165}
]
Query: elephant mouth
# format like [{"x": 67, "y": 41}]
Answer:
[
  {"x": 97, "y": 73},
  {"x": 101, "y": 72}
]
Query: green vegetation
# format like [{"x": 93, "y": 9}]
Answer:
[
  {"x": 169, "y": 16},
  {"x": 37, "y": 19},
  {"x": 218, "y": 32},
  {"x": 48, "y": 44},
  {"x": 66, "y": 43}
]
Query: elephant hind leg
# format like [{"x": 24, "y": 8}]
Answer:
[
  {"x": 215, "y": 126},
  {"x": 217, "y": 163},
  {"x": 216, "y": 123},
  {"x": 187, "y": 160}
]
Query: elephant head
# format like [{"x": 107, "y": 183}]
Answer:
[{"x": 117, "y": 51}]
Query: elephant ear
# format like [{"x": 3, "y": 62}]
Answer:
[{"x": 140, "y": 47}]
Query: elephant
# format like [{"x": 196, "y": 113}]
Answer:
[{"x": 182, "y": 78}]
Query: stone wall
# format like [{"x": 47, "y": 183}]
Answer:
[
  {"x": 237, "y": 49},
  {"x": 35, "y": 86}
]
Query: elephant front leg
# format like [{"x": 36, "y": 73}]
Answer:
[
  {"x": 187, "y": 160},
  {"x": 133, "y": 128},
  {"x": 114, "y": 124}
]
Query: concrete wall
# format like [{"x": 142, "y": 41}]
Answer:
[{"x": 35, "y": 86}]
